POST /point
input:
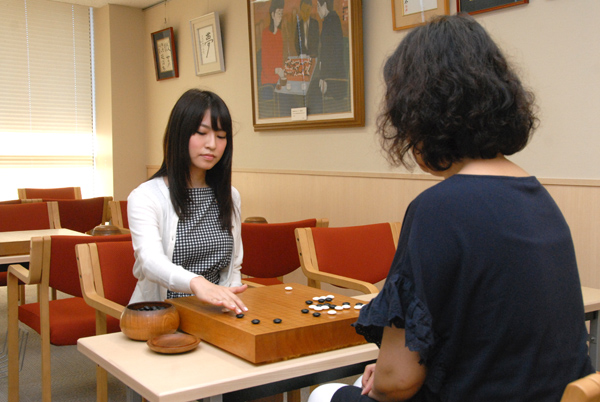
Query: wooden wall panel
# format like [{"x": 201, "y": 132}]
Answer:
[{"x": 362, "y": 198}]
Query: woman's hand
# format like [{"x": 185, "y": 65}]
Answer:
[
  {"x": 218, "y": 295},
  {"x": 367, "y": 379}
]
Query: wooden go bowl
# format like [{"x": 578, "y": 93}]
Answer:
[{"x": 145, "y": 320}]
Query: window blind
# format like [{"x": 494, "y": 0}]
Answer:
[{"x": 46, "y": 95}]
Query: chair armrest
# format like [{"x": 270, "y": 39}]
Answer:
[
  {"x": 20, "y": 272},
  {"x": 342, "y": 281},
  {"x": 104, "y": 305},
  {"x": 251, "y": 284}
]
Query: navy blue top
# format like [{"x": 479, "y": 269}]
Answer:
[{"x": 485, "y": 283}]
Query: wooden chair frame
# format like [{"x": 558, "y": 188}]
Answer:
[
  {"x": 586, "y": 389},
  {"x": 90, "y": 277},
  {"x": 76, "y": 193},
  {"x": 116, "y": 215},
  {"x": 310, "y": 265}
]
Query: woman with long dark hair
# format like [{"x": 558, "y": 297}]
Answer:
[{"x": 185, "y": 220}]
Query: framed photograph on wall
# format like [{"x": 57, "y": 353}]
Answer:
[
  {"x": 411, "y": 13},
  {"x": 165, "y": 55},
  {"x": 207, "y": 44},
  {"x": 306, "y": 59},
  {"x": 482, "y": 6}
]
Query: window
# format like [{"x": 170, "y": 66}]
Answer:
[{"x": 46, "y": 96}]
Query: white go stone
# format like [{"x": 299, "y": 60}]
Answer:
[
  {"x": 330, "y": 296},
  {"x": 345, "y": 306},
  {"x": 288, "y": 288},
  {"x": 316, "y": 298},
  {"x": 358, "y": 307},
  {"x": 339, "y": 307},
  {"x": 332, "y": 312}
]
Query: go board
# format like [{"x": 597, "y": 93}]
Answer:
[{"x": 298, "y": 333}]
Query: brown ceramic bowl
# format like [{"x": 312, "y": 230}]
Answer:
[{"x": 145, "y": 320}]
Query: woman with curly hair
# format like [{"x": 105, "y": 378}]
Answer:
[{"x": 483, "y": 300}]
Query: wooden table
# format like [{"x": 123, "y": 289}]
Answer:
[
  {"x": 591, "y": 302},
  {"x": 211, "y": 372},
  {"x": 14, "y": 246}
]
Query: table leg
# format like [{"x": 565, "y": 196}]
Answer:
[{"x": 594, "y": 333}]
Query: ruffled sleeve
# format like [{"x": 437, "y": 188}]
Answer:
[{"x": 398, "y": 305}]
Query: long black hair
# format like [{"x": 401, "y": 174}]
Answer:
[{"x": 185, "y": 118}]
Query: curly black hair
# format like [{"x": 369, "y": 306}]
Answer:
[{"x": 452, "y": 95}]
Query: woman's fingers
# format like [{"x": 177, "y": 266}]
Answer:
[{"x": 218, "y": 295}]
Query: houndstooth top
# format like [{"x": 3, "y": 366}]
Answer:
[{"x": 202, "y": 246}]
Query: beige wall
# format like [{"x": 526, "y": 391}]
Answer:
[
  {"x": 340, "y": 173},
  {"x": 553, "y": 43}
]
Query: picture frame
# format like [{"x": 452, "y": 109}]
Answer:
[
  {"x": 408, "y": 14},
  {"x": 207, "y": 44},
  {"x": 482, "y": 6},
  {"x": 307, "y": 71},
  {"x": 165, "y": 54}
]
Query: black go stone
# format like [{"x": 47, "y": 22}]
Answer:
[
  {"x": 316, "y": 314},
  {"x": 304, "y": 311},
  {"x": 255, "y": 321},
  {"x": 329, "y": 299},
  {"x": 239, "y": 315},
  {"x": 277, "y": 320},
  {"x": 321, "y": 300},
  {"x": 308, "y": 302}
]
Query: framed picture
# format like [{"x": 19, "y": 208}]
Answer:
[
  {"x": 165, "y": 56},
  {"x": 481, "y": 6},
  {"x": 208, "y": 47},
  {"x": 306, "y": 59},
  {"x": 411, "y": 13}
]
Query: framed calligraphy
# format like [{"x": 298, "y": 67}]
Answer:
[
  {"x": 208, "y": 47},
  {"x": 165, "y": 56},
  {"x": 306, "y": 59},
  {"x": 482, "y": 6},
  {"x": 411, "y": 13}
]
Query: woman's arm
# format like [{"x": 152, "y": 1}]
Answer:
[{"x": 398, "y": 375}]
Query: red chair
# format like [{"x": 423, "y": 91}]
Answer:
[
  {"x": 85, "y": 214},
  {"x": 63, "y": 193},
  {"x": 118, "y": 214},
  {"x": 270, "y": 250},
  {"x": 353, "y": 257},
  {"x": 26, "y": 216},
  {"x": 53, "y": 264},
  {"x": 107, "y": 283}
]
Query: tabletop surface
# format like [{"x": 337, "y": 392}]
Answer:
[
  {"x": 208, "y": 370},
  {"x": 26, "y": 235}
]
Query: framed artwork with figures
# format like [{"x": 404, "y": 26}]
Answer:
[
  {"x": 208, "y": 47},
  {"x": 306, "y": 60}
]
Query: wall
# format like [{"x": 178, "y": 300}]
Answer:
[
  {"x": 340, "y": 173},
  {"x": 120, "y": 99},
  {"x": 551, "y": 43}
]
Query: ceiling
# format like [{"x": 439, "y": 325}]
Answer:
[{"x": 101, "y": 3}]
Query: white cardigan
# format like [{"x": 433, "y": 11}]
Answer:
[{"x": 153, "y": 224}]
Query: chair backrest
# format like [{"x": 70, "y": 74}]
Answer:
[
  {"x": 106, "y": 274},
  {"x": 270, "y": 248},
  {"x": 355, "y": 257},
  {"x": 29, "y": 216},
  {"x": 63, "y": 193},
  {"x": 85, "y": 214},
  {"x": 586, "y": 389},
  {"x": 118, "y": 214},
  {"x": 59, "y": 269}
]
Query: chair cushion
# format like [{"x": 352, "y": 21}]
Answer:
[{"x": 70, "y": 319}]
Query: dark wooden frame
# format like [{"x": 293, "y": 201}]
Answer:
[
  {"x": 159, "y": 40},
  {"x": 401, "y": 22},
  {"x": 482, "y": 6},
  {"x": 355, "y": 117}
]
